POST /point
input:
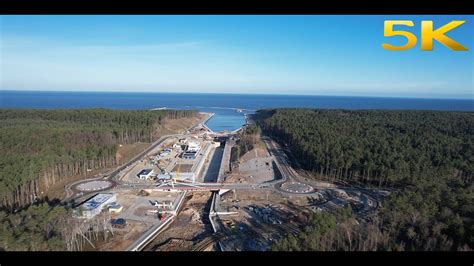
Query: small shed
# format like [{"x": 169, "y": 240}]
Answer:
[{"x": 119, "y": 223}]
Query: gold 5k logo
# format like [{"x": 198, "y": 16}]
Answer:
[{"x": 428, "y": 35}]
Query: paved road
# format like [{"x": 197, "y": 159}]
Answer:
[
  {"x": 157, "y": 228},
  {"x": 280, "y": 159},
  {"x": 289, "y": 174},
  {"x": 72, "y": 193},
  {"x": 194, "y": 186}
]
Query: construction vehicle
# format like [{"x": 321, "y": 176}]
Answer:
[{"x": 162, "y": 216}]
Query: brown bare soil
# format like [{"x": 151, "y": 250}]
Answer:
[
  {"x": 126, "y": 152},
  {"x": 127, "y": 236},
  {"x": 187, "y": 229},
  {"x": 172, "y": 126}
]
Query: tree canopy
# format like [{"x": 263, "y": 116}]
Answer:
[
  {"x": 426, "y": 156},
  {"x": 375, "y": 146},
  {"x": 36, "y": 228},
  {"x": 42, "y": 146}
]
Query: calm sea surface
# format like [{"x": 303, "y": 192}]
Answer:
[{"x": 223, "y": 105}]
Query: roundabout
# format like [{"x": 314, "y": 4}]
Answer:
[
  {"x": 297, "y": 187},
  {"x": 95, "y": 185}
]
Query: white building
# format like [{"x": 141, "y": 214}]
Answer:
[
  {"x": 115, "y": 208},
  {"x": 94, "y": 206},
  {"x": 193, "y": 147},
  {"x": 146, "y": 174}
]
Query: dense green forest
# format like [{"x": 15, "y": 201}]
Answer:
[
  {"x": 49, "y": 226},
  {"x": 378, "y": 147},
  {"x": 432, "y": 215},
  {"x": 427, "y": 156},
  {"x": 39, "y": 227},
  {"x": 40, "y": 147}
]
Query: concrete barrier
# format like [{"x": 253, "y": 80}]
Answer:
[
  {"x": 149, "y": 235},
  {"x": 146, "y": 238},
  {"x": 196, "y": 169},
  {"x": 212, "y": 212},
  {"x": 205, "y": 121}
]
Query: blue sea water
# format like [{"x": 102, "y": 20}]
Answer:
[{"x": 223, "y": 105}]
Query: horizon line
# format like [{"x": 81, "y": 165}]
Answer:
[{"x": 236, "y": 93}]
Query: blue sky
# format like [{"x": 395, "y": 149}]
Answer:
[{"x": 318, "y": 55}]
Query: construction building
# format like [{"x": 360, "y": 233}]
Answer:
[
  {"x": 94, "y": 206},
  {"x": 118, "y": 223},
  {"x": 146, "y": 174},
  {"x": 115, "y": 208},
  {"x": 191, "y": 150}
]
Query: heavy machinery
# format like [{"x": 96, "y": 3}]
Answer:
[{"x": 162, "y": 216}]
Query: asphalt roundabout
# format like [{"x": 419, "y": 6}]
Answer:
[
  {"x": 297, "y": 187},
  {"x": 96, "y": 185}
]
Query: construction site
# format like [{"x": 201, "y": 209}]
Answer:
[
  {"x": 186, "y": 194},
  {"x": 190, "y": 227}
]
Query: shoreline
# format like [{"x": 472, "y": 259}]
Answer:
[
  {"x": 210, "y": 115},
  {"x": 203, "y": 123}
]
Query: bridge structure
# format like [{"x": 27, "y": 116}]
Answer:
[{"x": 198, "y": 186}]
